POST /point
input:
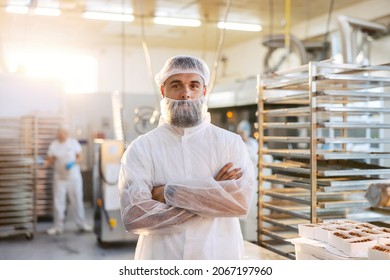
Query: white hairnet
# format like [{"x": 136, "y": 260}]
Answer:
[
  {"x": 245, "y": 127},
  {"x": 183, "y": 64},
  {"x": 63, "y": 127}
]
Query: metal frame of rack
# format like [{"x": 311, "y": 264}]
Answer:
[
  {"x": 26, "y": 191},
  {"x": 17, "y": 208},
  {"x": 329, "y": 120}
]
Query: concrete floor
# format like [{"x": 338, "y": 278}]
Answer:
[{"x": 71, "y": 245}]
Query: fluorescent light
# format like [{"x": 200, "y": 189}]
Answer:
[
  {"x": 17, "y": 9},
  {"x": 108, "y": 16},
  {"x": 239, "y": 26},
  {"x": 177, "y": 21},
  {"x": 47, "y": 12}
]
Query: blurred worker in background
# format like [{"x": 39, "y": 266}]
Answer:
[
  {"x": 65, "y": 154},
  {"x": 184, "y": 185},
  {"x": 244, "y": 130}
]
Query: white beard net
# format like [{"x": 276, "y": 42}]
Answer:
[{"x": 183, "y": 113}]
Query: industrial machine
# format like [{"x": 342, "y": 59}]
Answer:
[{"x": 108, "y": 224}]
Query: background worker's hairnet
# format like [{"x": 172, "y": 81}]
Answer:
[
  {"x": 183, "y": 64},
  {"x": 245, "y": 127}
]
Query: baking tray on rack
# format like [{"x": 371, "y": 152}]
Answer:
[
  {"x": 16, "y": 201},
  {"x": 22, "y": 207},
  {"x": 19, "y": 220},
  {"x": 15, "y": 160},
  {"x": 324, "y": 200},
  {"x": 352, "y": 85},
  {"x": 326, "y": 140},
  {"x": 323, "y": 96},
  {"x": 334, "y": 110},
  {"x": 283, "y": 220},
  {"x": 16, "y": 195},
  {"x": 18, "y": 189},
  {"x": 363, "y": 79},
  {"x": 326, "y": 124},
  {"x": 352, "y": 125},
  {"x": 20, "y": 151},
  {"x": 357, "y": 95},
  {"x": 20, "y": 176},
  {"x": 327, "y": 184},
  {"x": 16, "y": 169},
  {"x": 280, "y": 233},
  {"x": 303, "y": 211},
  {"x": 326, "y": 154},
  {"x": 16, "y": 214},
  {"x": 330, "y": 81},
  {"x": 331, "y": 168}
]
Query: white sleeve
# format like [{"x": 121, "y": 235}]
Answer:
[
  {"x": 140, "y": 213},
  {"x": 77, "y": 146},
  {"x": 51, "y": 150},
  {"x": 211, "y": 198}
]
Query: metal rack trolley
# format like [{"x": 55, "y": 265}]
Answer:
[
  {"x": 17, "y": 208},
  {"x": 329, "y": 120}
]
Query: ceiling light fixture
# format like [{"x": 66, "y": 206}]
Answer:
[
  {"x": 239, "y": 26},
  {"x": 17, "y": 9},
  {"x": 108, "y": 16},
  {"x": 177, "y": 21},
  {"x": 47, "y": 12}
]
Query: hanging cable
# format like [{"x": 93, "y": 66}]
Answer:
[
  {"x": 123, "y": 66},
  {"x": 307, "y": 5},
  {"x": 118, "y": 96},
  {"x": 271, "y": 27},
  {"x": 214, "y": 71},
  {"x": 145, "y": 47},
  {"x": 271, "y": 17},
  {"x": 325, "y": 44},
  {"x": 287, "y": 24}
]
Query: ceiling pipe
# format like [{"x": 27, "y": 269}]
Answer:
[{"x": 347, "y": 26}]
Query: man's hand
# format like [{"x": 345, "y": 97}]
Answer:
[
  {"x": 158, "y": 193},
  {"x": 49, "y": 161},
  {"x": 226, "y": 174}
]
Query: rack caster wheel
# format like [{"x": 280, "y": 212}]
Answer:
[
  {"x": 29, "y": 236},
  {"x": 102, "y": 243}
]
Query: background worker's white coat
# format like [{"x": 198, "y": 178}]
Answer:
[
  {"x": 200, "y": 219},
  {"x": 67, "y": 182}
]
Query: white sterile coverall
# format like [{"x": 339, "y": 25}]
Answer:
[
  {"x": 200, "y": 219},
  {"x": 67, "y": 181}
]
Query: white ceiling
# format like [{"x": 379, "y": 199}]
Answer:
[{"x": 71, "y": 28}]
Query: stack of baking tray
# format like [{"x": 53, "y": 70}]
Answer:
[
  {"x": 331, "y": 120},
  {"x": 17, "y": 209}
]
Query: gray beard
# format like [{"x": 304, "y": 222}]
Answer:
[{"x": 185, "y": 113}]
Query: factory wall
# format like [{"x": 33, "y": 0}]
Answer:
[
  {"x": 135, "y": 74},
  {"x": 21, "y": 96},
  {"x": 91, "y": 113}
]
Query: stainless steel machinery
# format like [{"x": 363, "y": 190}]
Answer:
[{"x": 108, "y": 224}]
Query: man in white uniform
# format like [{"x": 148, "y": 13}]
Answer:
[
  {"x": 65, "y": 153},
  {"x": 184, "y": 185}
]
